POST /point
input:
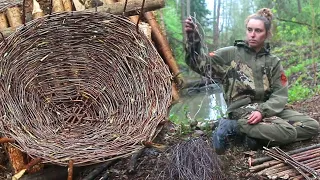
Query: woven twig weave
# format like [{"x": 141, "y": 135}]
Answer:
[{"x": 81, "y": 86}]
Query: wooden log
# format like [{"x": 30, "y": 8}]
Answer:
[
  {"x": 3, "y": 20},
  {"x": 57, "y": 6},
  {"x": 78, "y": 5},
  {"x": 67, "y": 5},
  {"x": 163, "y": 47},
  {"x": 264, "y": 159},
  {"x": 37, "y": 12},
  {"x": 102, "y": 167},
  {"x": 134, "y": 18},
  {"x": 14, "y": 16},
  {"x": 133, "y": 8},
  {"x": 6, "y": 140},
  {"x": 132, "y": 165},
  {"x": 70, "y": 170},
  {"x": 264, "y": 165},
  {"x": 270, "y": 168},
  {"x": 164, "y": 50},
  {"x": 274, "y": 170},
  {"x": 16, "y": 157}
]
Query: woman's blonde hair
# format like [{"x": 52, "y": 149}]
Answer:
[{"x": 264, "y": 15}]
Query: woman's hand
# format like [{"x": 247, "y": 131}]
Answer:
[
  {"x": 190, "y": 28},
  {"x": 255, "y": 117}
]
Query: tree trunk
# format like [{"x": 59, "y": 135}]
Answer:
[
  {"x": 183, "y": 17},
  {"x": 299, "y": 6},
  {"x": 216, "y": 28}
]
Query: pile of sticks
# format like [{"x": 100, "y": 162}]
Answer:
[{"x": 299, "y": 164}]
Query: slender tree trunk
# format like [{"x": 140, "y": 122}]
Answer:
[
  {"x": 313, "y": 17},
  {"x": 183, "y": 17},
  {"x": 299, "y": 6},
  {"x": 216, "y": 34},
  {"x": 214, "y": 23},
  {"x": 188, "y": 8}
]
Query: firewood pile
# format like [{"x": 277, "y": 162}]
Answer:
[
  {"x": 298, "y": 164},
  {"x": 82, "y": 87}
]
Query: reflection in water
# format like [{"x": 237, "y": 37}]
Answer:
[{"x": 201, "y": 103}]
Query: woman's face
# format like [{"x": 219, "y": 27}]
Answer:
[{"x": 256, "y": 34}]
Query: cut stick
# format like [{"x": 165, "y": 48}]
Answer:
[
  {"x": 264, "y": 159},
  {"x": 37, "y": 12},
  {"x": 16, "y": 157},
  {"x": 70, "y": 170}
]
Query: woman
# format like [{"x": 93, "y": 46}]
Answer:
[{"x": 256, "y": 88}]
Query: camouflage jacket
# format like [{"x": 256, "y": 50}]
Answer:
[{"x": 254, "y": 81}]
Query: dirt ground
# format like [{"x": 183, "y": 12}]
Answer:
[{"x": 152, "y": 162}]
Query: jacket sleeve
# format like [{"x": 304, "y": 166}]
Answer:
[
  {"x": 279, "y": 96},
  {"x": 214, "y": 63}
]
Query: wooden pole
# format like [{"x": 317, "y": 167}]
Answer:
[
  {"x": 16, "y": 157},
  {"x": 164, "y": 50},
  {"x": 162, "y": 45},
  {"x": 70, "y": 170},
  {"x": 133, "y": 8}
]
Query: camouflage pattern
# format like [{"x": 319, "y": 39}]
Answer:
[{"x": 253, "y": 82}]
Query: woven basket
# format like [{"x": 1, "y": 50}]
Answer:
[{"x": 81, "y": 86}]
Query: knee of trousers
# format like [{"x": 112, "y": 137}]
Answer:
[
  {"x": 313, "y": 127},
  {"x": 287, "y": 136}
]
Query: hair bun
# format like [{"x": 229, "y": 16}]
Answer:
[{"x": 266, "y": 12}]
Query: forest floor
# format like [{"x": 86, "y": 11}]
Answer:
[
  {"x": 152, "y": 163},
  {"x": 234, "y": 163}
]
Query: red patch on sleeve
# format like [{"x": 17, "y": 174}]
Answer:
[
  {"x": 284, "y": 79},
  {"x": 211, "y": 54}
]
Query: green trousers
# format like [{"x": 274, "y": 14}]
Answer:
[{"x": 286, "y": 127}]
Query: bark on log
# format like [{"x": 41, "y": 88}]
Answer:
[
  {"x": 3, "y": 20},
  {"x": 67, "y": 4},
  {"x": 133, "y": 8},
  {"x": 16, "y": 157},
  {"x": 70, "y": 170},
  {"x": 164, "y": 50},
  {"x": 14, "y": 16},
  {"x": 132, "y": 165},
  {"x": 162, "y": 45}
]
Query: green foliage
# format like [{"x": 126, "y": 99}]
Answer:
[
  {"x": 173, "y": 28},
  {"x": 296, "y": 29},
  {"x": 299, "y": 92}
]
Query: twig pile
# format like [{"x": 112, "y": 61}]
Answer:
[
  {"x": 302, "y": 165},
  {"x": 193, "y": 160},
  {"x": 81, "y": 86}
]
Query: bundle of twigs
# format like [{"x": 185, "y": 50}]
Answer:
[
  {"x": 86, "y": 87},
  {"x": 301, "y": 165},
  {"x": 193, "y": 160}
]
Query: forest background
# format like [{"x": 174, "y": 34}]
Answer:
[{"x": 296, "y": 30}]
